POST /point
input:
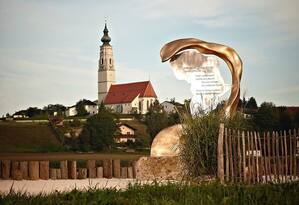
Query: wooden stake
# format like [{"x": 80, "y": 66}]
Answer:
[
  {"x": 220, "y": 162},
  {"x": 226, "y": 156},
  {"x": 244, "y": 157},
  {"x": 291, "y": 155},
  {"x": 231, "y": 156},
  {"x": 239, "y": 157},
  {"x": 265, "y": 158}
]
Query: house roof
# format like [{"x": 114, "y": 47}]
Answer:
[
  {"x": 124, "y": 124},
  {"x": 126, "y": 93}
]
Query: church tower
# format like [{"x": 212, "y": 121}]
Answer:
[{"x": 106, "y": 72}]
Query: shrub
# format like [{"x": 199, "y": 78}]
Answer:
[{"x": 199, "y": 141}]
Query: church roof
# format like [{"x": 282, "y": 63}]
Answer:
[{"x": 126, "y": 93}]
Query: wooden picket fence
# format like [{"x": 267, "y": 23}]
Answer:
[
  {"x": 253, "y": 157},
  {"x": 68, "y": 169}
]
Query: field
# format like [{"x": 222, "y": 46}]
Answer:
[
  {"x": 169, "y": 194},
  {"x": 27, "y": 137}
]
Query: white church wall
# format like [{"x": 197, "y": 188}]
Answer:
[{"x": 146, "y": 102}]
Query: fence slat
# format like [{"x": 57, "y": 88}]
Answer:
[
  {"x": 269, "y": 156},
  {"x": 234, "y": 155},
  {"x": 239, "y": 158},
  {"x": 278, "y": 156},
  {"x": 291, "y": 154},
  {"x": 249, "y": 158},
  {"x": 294, "y": 153},
  {"x": 273, "y": 156},
  {"x": 285, "y": 153},
  {"x": 226, "y": 156},
  {"x": 265, "y": 157},
  {"x": 262, "y": 159},
  {"x": 244, "y": 157},
  {"x": 230, "y": 155},
  {"x": 252, "y": 156},
  {"x": 256, "y": 158},
  {"x": 220, "y": 157}
]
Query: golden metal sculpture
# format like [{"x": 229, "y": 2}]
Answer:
[{"x": 229, "y": 55}]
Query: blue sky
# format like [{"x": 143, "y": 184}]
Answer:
[{"x": 49, "y": 49}]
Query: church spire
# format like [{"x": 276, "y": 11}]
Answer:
[{"x": 106, "y": 38}]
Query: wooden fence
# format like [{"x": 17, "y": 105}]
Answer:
[
  {"x": 253, "y": 157},
  {"x": 66, "y": 169}
]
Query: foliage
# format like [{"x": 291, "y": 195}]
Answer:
[
  {"x": 51, "y": 108},
  {"x": 199, "y": 141},
  {"x": 251, "y": 103},
  {"x": 199, "y": 144},
  {"x": 168, "y": 194},
  {"x": 80, "y": 108},
  {"x": 155, "y": 119},
  {"x": 267, "y": 117},
  {"x": 98, "y": 132}
]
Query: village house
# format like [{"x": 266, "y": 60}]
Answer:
[
  {"x": 127, "y": 133},
  {"x": 90, "y": 107}
]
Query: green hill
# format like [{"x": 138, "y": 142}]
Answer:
[{"x": 28, "y": 137}]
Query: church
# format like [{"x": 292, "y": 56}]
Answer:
[{"x": 135, "y": 97}]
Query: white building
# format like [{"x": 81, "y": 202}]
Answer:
[
  {"x": 127, "y": 98},
  {"x": 126, "y": 133},
  {"x": 90, "y": 107},
  {"x": 171, "y": 107},
  {"x": 131, "y": 97}
]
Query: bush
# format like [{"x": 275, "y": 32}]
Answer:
[{"x": 199, "y": 141}]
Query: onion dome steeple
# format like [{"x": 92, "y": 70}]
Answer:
[{"x": 106, "y": 38}]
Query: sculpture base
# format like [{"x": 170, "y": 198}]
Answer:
[{"x": 158, "y": 168}]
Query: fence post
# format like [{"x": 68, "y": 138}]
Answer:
[{"x": 220, "y": 161}]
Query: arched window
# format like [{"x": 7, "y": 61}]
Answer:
[
  {"x": 110, "y": 60},
  {"x": 147, "y": 104},
  {"x": 102, "y": 61}
]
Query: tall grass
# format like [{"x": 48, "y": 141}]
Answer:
[
  {"x": 169, "y": 194},
  {"x": 199, "y": 141}
]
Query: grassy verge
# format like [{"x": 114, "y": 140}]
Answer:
[{"x": 169, "y": 194}]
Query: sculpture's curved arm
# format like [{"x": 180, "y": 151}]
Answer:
[{"x": 226, "y": 53}]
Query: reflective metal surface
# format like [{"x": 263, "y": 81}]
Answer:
[{"x": 171, "y": 50}]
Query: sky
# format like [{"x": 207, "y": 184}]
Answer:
[{"x": 49, "y": 50}]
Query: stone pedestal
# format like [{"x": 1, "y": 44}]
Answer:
[{"x": 158, "y": 168}]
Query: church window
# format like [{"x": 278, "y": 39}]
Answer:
[
  {"x": 110, "y": 61},
  {"x": 147, "y": 104},
  {"x": 102, "y": 61}
]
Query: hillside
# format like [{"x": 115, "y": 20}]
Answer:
[{"x": 27, "y": 137}]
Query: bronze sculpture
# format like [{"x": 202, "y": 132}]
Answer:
[{"x": 170, "y": 50}]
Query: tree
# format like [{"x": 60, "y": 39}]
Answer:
[
  {"x": 296, "y": 119},
  {"x": 251, "y": 104},
  {"x": 80, "y": 107},
  {"x": 99, "y": 131},
  {"x": 267, "y": 117},
  {"x": 285, "y": 120},
  {"x": 51, "y": 108},
  {"x": 33, "y": 111},
  {"x": 155, "y": 119}
]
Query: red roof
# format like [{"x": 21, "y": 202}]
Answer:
[{"x": 126, "y": 93}]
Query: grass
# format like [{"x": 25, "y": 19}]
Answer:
[
  {"x": 169, "y": 194},
  {"x": 28, "y": 137}
]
